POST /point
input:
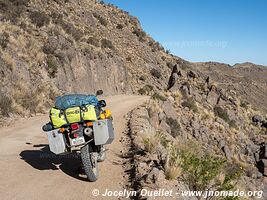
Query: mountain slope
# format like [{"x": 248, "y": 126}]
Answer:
[
  {"x": 247, "y": 79},
  {"x": 53, "y": 47}
]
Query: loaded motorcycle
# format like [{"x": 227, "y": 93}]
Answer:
[{"x": 79, "y": 124}]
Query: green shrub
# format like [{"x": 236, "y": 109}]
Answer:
[
  {"x": 93, "y": 41},
  {"x": 232, "y": 124},
  {"x": 5, "y": 104},
  {"x": 191, "y": 104},
  {"x": 141, "y": 91},
  {"x": 163, "y": 140},
  {"x": 13, "y": 9},
  {"x": 156, "y": 73},
  {"x": 232, "y": 172},
  {"x": 71, "y": 30},
  {"x": 56, "y": 17},
  {"x": 105, "y": 43},
  {"x": 119, "y": 26},
  {"x": 39, "y": 19},
  {"x": 145, "y": 90},
  {"x": 157, "y": 96},
  {"x": 140, "y": 34},
  {"x": 49, "y": 48},
  {"x": 129, "y": 59},
  {"x": 200, "y": 170},
  {"x": 174, "y": 125},
  {"x": 101, "y": 19},
  {"x": 52, "y": 66},
  {"x": 220, "y": 112},
  {"x": 61, "y": 2},
  {"x": 156, "y": 46},
  {"x": 4, "y": 39},
  {"x": 244, "y": 104},
  {"x": 142, "y": 78},
  {"x": 148, "y": 87}
]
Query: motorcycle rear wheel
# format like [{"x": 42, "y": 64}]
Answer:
[{"x": 89, "y": 161}]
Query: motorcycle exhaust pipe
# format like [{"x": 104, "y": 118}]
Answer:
[{"x": 88, "y": 131}]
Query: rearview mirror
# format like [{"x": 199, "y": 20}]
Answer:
[
  {"x": 99, "y": 92},
  {"x": 102, "y": 103}
]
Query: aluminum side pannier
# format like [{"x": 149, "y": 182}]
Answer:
[{"x": 103, "y": 132}]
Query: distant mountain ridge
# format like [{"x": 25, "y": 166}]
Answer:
[{"x": 247, "y": 79}]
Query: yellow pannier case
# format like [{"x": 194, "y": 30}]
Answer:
[
  {"x": 73, "y": 114},
  {"x": 106, "y": 114},
  {"x": 89, "y": 113},
  {"x": 57, "y": 118}
]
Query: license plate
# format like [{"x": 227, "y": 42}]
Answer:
[{"x": 77, "y": 141}]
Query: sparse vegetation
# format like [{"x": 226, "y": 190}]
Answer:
[
  {"x": 232, "y": 173},
  {"x": 140, "y": 34},
  {"x": 220, "y": 112},
  {"x": 13, "y": 9},
  {"x": 39, "y": 19},
  {"x": 52, "y": 66},
  {"x": 119, "y": 26},
  {"x": 49, "y": 48},
  {"x": 142, "y": 78},
  {"x": 141, "y": 91},
  {"x": 155, "y": 72},
  {"x": 57, "y": 18},
  {"x": 191, "y": 104},
  {"x": 105, "y": 43},
  {"x": 8, "y": 60},
  {"x": 158, "y": 96},
  {"x": 207, "y": 171},
  {"x": 4, "y": 39},
  {"x": 232, "y": 124},
  {"x": 129, "y": 59},
  {"x": 93, "y": 41},
  {"x": 200, "y": 170},
  {"x": 151, "y": 140},
  {"x": 244, "y": 104},
  {"x": 156, "y": 46},
  {"x": 173, "y": 165},
  {"x": 101, "y": 19},
  {"x": 145, "y": 90},
  {"x": 72, "y": 30},
  {"x": 5, "y": 104},
  {"x": 28, "y": 101}
]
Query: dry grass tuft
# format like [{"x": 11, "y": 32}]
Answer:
[
  {"x": 173, "y": 164},
  {"x": 7, "y": 58}
]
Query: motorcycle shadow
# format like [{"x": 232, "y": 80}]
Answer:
[{"x": 44, "y": 159}]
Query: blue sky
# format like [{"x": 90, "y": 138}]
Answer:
[{"x": 229, "y": 31}]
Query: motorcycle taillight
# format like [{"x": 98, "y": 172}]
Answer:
[{"x": 74, "y": 126}]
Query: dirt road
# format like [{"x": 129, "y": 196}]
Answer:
[{"x": 28, "y": 170}]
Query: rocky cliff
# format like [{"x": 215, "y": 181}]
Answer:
[{"x": 55, "y": 47}]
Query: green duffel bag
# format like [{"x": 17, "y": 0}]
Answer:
[
  {"x": 57, "y": 118},
  {"x": 89, "y": 113},
  {"x": 73, "y": 114}
]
